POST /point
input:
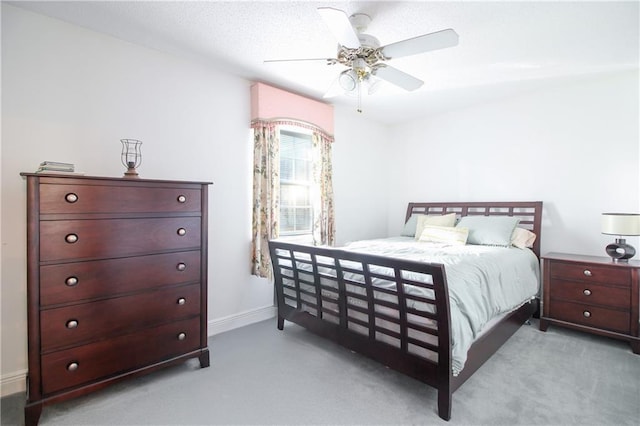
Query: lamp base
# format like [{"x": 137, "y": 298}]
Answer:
[
  {"x": 131, "y": 173},
  {"x": 620, "y": 251}
]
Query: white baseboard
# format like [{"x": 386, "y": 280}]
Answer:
[
  {"x": 231, "y": 322},
  {"x": 16, "y": 382},
  {"x": 13, "y": 383}
]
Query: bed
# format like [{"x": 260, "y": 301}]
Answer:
[{"x": 396, "y": 308}]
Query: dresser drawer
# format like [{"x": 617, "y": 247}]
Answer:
[
  {"x": 592, "y": 316},
  {"x": 72, "y": 325},
  {"x": 91, "y": 239},
  {"x": 71, "y": 282},
  {"x": 118, "y": 355},
  {"x": 100, "y": 198},
  {"x": 590, "y": 273},
  {"x": 591, "y": 293}
]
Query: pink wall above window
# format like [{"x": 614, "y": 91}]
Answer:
[{"x": 268, "y": 102}]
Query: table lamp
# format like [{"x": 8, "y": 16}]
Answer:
[{"x": 620, "y": 224}]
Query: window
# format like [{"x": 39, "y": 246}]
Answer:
[{"x": 296, "y": 213}]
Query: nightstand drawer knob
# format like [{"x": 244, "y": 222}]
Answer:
[
  {"x": 71, "y": 281},
  {"x": 182, "y": 231},
  {"x": 72, "y": 366},
  {"x": 587, "y": 314},
  {"x": 182, "y": 301},
  {"x": 181, "y": 266},
  {"x": 71, "y": 197},
  {"x": 587, "y": 273},
  {"x": 71, "y": 238},
  {"x": 72, "y": 324},
  {"x": 586, "y": 292},
  {"x": 182, "y": 199},
  {"x": 182, "y": 336}
]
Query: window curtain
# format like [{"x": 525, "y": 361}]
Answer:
[
  {"x": 266, "y": 190},
  {"x": 324, "y": 217},
  {"x": 266, "y": 194}
]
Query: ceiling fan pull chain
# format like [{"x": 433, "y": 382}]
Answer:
[{"x": 359, "y": 96}]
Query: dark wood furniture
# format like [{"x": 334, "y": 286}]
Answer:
[
  {"x": 330, "y": 292},
  {"x": 116, "y": 281},
  {"x": 592, "y": 294}
]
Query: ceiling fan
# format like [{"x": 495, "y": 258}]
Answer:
[{"x": 365, "y": 59}]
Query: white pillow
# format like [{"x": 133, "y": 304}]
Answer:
[
  {"x": 434, "y": 220},
  {"x": 453, "y": 235},
  {"x": 522, "y": 238}
]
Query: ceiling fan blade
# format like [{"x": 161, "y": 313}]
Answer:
[
  {"x": 334, "y": 89},
  {"x": 397, "y": 77},
  {"x": 340, "y": 27},
  {"x": 421, "y": 44},
  {"x": 330, "y": 61}
]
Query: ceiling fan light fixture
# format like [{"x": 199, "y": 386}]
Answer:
[
  {"x": 360, "y": 22},
  {"x": 348, "y": 80}
]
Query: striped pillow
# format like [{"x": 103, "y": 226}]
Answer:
[{"x": 456, "y": 236}]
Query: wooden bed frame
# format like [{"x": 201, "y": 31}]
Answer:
[{"x": 330, "y": 292}]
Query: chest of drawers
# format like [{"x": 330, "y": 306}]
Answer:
[
  {"x": 591, "y": 294},
  {"x": 116, "y": 281}
]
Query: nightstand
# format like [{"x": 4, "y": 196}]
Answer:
[{"x": 591, "y": 294}]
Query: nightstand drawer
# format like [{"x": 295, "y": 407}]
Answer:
[
  {"x": 592, "y": 316},
  {"x": 592, "y": 294},
  {"x": 590, "y": 273}
]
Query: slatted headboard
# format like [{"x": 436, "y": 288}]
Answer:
[{"x": 529, "y": 213}]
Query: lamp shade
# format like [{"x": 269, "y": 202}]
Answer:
[{"x": 621, "y": 223}]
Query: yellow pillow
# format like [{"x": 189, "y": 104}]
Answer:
[
  {"x": 522, "y": 238},
  {"x": 455, "y": 236},
  {"x": 434, "y": 220}
]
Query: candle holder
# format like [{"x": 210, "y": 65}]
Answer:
[{"x": 131, "y": 156}]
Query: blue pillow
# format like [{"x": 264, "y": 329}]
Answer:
[
  {"x": 409, "y": 229},
  {"x": 489, "y": 230}
]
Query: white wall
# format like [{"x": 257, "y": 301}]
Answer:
[
  {"x": 575, "y": 146},
  {"x": 70, "y": 94},
  {"x": 360, "y": 152}
]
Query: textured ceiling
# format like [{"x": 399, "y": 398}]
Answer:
[{"x": 505, "y": 47}]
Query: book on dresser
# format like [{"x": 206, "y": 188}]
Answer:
[{"x": 116, "y": 281}]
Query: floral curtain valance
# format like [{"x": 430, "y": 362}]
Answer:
[
  {"x": 271, "y": 123},
  {"x": 272, "y": 104}
]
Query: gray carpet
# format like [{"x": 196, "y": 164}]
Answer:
[{"x": 260, "y": 375}]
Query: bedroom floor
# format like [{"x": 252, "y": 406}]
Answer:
[{"x": 259, "y": 375}]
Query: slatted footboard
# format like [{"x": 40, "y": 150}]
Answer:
[{"x": 392, "y": 310}]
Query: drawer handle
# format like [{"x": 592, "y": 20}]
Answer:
[
  {"x": 182, "y": 301},
  {"x": 73, "y": 366},
  {"x": 71, "y": 238},
  {"x": 587, "y": 273},
  {"x": 72, "y": 323},
  {"x": 71, "y": 197},
  {"x": 182, "y": 231},
  {"x": 182, "y": 336},
  {"x": 586, "y": 292},
  {"x": 181, "y": 267},
  {"x": 587, "y": 314},
  {"x": 182, "y": 198},
  {"x": 71, "y": 281}
]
